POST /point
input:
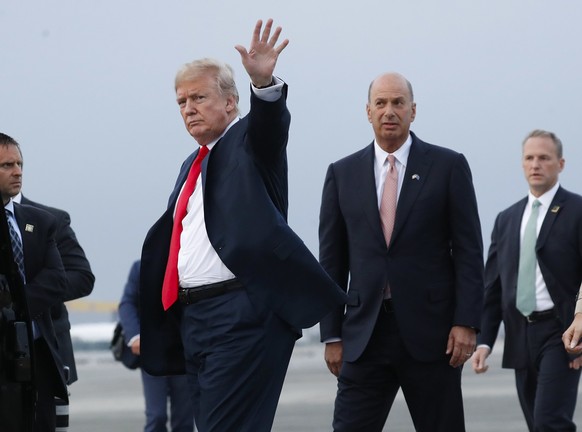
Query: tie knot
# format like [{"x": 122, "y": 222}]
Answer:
[
  {"x": 8, "y": 212},
  {"x": 202, "y": 152},
  {"x": 536, "y": 204},
  {"x": 392, "y": 160}
]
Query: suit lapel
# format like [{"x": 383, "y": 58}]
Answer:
[
  {"x": 27, "y": 231},
  {"x": 557, "y": 203},
  {"x": 415, "y": 176},
  {"x": 513, "y": 229},
  {"x": 181, "y": 179},
  {"x": 365, "y": 190}
]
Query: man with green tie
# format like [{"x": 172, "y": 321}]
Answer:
[{"x": 532, "y": 275}]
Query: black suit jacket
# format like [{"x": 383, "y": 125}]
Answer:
[
  {"x": 559, "y": 254},
  {"x": 245, "y": 188},
  {"x": 80, "y": 281},
  {"x": 434, "y": 263},
  {"x": 45, "y": 281}
]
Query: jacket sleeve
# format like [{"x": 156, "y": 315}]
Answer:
[
  {"x": 333, "y": 251},
  {"x": 129, "y": 304}
]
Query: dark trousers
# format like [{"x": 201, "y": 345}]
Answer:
[
  {"x": 157, "y": 391},
  {"x": 236, "y": 360},
  {"x": 44, "y": 380},
  {"x": 368, "y": 386},
  {"x": 547, "y": 389}
]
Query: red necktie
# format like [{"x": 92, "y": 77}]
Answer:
[{"x": 170, "y": 286}]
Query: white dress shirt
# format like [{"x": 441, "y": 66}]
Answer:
[
  {"x": 381, "y": 166},
  {"x": 543, "y": 299}
]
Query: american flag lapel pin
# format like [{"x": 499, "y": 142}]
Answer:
[
  {"x": 29, "y": 228},
  {"x": 415, "y": 177}
]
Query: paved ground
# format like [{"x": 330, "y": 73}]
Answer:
[{"x": 108, "y": 398}]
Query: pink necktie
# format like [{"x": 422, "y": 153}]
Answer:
[
  {"x": 170, "y": 286},
  {"x": 388, "y": 201}
]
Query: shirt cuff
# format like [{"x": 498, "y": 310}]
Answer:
[
  {"x": 271, "y": 93},
  {"x": 132, "y": 340}
]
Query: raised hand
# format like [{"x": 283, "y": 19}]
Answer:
[{"x": 260, "y": 60}]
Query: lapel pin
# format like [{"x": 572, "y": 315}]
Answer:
[
  {"x": 29, "y": 228},
  {"x": 415, "y": 177},
  {"x": 555, "y": 209}
]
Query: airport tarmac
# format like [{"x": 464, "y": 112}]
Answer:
[{"x": 108, "y": 397}]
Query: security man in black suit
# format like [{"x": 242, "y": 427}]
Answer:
[
  {"x": 44, "y": 281},
  {"x": 532, "y": 276}
]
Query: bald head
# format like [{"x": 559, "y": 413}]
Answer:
[{"x": 393, "y": 78}]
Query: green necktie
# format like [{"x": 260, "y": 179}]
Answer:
[{"x": 526, "y": 277}]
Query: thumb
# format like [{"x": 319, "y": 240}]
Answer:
[
  {"x": 575, "y": 339},
  {"x": 450, "y": 344},
  {"x": 241, "y": 50}
]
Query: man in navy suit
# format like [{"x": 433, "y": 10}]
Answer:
[
  {"x": 400, "y": 232},
  {"x": 158, "y": 390},
  {"x": 245, "y": 282},
  {"x": 546, "y": 377},
  {"x": 44, "y": 282}
]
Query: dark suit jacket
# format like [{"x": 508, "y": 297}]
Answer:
[
  {"x": 559, "y": 254},
  {"x": 434, "y": 263},
  {"x": 45, "y": 280},
  {"x": 80, "y": 281},
  {"x": 245, "y": 204}
]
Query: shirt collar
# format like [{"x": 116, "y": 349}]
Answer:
[
  {"x": 10, "y": 206},
  {"x": 401, "y": 154},
  {"x": 546, "y": 198},
  {"x": 236, "y": 119}
]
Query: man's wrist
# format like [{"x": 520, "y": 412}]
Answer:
[{"x": 271, "y": 83}]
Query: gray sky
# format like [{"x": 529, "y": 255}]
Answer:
[{"x": 87, "y": 90}]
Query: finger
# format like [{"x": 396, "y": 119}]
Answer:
[
  {"x": 275, "y": 36},
  {"x": 482, "y": 369},
  {"x": 575, "y": 339},
  {"x": 455, "y": 359},
  {"x": 282, "y": 46},
  {"x": 479, "y": 364},
  {"x": 450, "y": 345},
  {"x": 257, "y": 32},
  {"x": 267, "y": 31},
  {"x": 576, "y": 350},
  {"x": 333, "y": 368}
]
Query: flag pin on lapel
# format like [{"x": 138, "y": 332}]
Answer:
[
  {"x": 29, "y": 228},
  {"x": 555, "y": 209},
  {"x": 415, "y": 177}
]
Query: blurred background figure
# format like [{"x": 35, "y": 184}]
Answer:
[{"x": 156, "y": 389}]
